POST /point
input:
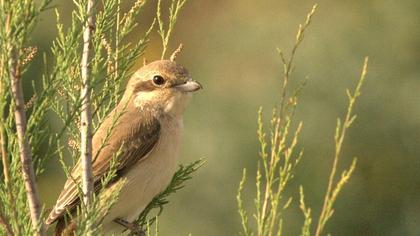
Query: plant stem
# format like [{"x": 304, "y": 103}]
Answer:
[
  {"x": 4, "y": 157},
  {"x": 339, "y": 139},
  {"x": 3, "y": 139},
  {"x": 86, "y": 115},
  {"x": 6, "y": 225},
  {"x": 24, "y": 148},
  {"x": 3, "y": 220},
  {"x": 28, "y": 172}
]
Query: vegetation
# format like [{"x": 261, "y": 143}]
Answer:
[
  {"x": 92, "y": 58},
  {"x": 79, "y": 96},
  {"x": 279, "y": 157}
]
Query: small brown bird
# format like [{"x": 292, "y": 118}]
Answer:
[{"x": 148, "y": 137}]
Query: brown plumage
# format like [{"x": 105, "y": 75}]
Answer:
[{"x": 145, "y": 109}]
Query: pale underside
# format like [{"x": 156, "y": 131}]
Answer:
[{"x": 146, "y": 179}]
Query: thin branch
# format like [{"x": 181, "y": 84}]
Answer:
[
  {"x": 6, "y": 173},
  {"x": 241, "y": 209},
  {"x": 3, "y": 150},
  {"x": 6, "y": 225},
  {"x": 3, "y": 140},
  {"x": 340, "y": 134},
  {"x": 174, "y": 9},
  {"x": 4, "y": 156},
  {"x": 86, "y": 115},
  {"x": 28, "y": 172},
  {"x": 306, "y": 213},
  {"x": 176, "y": 52},
  {"x": 24, "y": 148},
  {"x": 288, "y": 65}
]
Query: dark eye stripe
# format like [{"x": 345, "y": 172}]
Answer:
[{"x": 145, "y": 86}]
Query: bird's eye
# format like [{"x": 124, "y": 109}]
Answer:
[{"x": 158, "y": 80}]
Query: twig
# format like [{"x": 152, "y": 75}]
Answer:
[
  {"x": 278, "y": 121},
  {"x": 86, "y": 115},
  {"x": 4, "y": 157},
  {"x": 133, "y": 227},
  {"x": 6, "y": 170},
  {"x": 340, "y": 134},
  {"x": 174, "y": 9},
  {"x": 24, "y": 148},
  {"x": 4, "y": 153},
  {"x": 6, "y": 225},
  {"x": 176, "y": 52},
  {"x": 288, "y": 64}
]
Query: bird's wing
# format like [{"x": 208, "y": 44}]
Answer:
[{"x": 133, "y": 138}]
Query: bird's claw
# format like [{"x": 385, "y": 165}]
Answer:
[{"x": 134, "y": 228}]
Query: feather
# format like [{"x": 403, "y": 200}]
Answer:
[{"x": 134, "y": 134}]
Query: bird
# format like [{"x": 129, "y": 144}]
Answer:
[{"x": 147, "y": 136}]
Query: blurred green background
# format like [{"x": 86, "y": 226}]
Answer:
[{"x": 230, "y": 47}]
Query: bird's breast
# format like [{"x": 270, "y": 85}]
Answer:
[{"x": 147, "y": 177}]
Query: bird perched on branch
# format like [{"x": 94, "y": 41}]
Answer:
[{"x": 147, "y": 137}]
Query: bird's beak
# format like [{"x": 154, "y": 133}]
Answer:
[{"x": 189, "y": 86}]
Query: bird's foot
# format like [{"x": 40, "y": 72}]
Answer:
[{"x": 134, "y": 228}]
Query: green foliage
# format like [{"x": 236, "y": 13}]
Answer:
[
  {"x": 18, "y": 19},
  {"x": 278, "y": 159},
  {"x": 335, "y": 186},
  {"x": 110, "y": 66},
  {"x": 183, "y": 174},
  {"x": 306, "y": 228},
  {"x": 278, "y": 156},
  {"x": 112, "y": 57},
  {"x": 174, "y": 9}
]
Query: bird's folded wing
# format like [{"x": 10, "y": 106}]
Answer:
[{"x": 133, "y": 142}]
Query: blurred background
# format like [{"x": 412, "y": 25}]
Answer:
[{"x": 230, "y": 47}]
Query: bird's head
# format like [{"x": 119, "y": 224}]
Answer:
[{"x": 163, "y": 85}]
